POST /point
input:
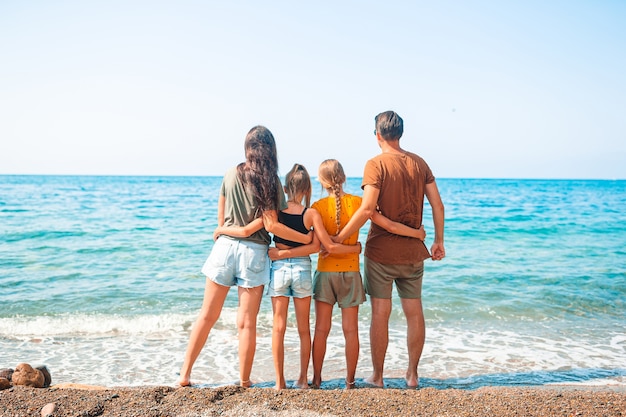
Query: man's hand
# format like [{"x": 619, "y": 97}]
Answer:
[{"x": 438, "y": 251}]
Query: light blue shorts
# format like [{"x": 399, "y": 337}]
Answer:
[
  {"x": 291, "y": 278},
  {"x": 238, "y": 262}
]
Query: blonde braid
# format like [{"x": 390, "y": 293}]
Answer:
[
  {"x": 332, "y": 177},
  {"x": 337, "y": 192}
]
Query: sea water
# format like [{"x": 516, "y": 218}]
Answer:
[{"x": 100, "y": 281}]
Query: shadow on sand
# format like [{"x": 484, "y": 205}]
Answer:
[{"x": 577, "y": 377}]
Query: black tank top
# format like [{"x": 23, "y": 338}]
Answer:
[{"x": 295, "y": 222}]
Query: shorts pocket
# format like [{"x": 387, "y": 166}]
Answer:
[
  {"x": 278, "y": 281},
  {"x": 306, "y": 284},
  {"x": 256, "y": 260},
  {"x": 304, "y": 281}
]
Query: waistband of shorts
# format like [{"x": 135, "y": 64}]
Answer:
[
  {"x": 295, "y": 259},
  {"x": 250, "y": 243}
]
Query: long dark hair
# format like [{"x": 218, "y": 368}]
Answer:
[{"x": 260, "y": 171}]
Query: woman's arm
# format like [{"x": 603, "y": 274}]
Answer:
[
  {"x": 221, "y": 207},
  {"x": 398, "y": 228},
  {"x": 272, "y": 225}
]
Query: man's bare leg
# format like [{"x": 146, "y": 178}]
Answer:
[
  {"x": 415, "y": 337},
  {"x": 379, "y": 338}
]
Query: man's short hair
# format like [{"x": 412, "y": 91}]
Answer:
[{"x": 389, "y": 125}]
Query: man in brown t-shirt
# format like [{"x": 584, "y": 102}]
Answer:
[{"x": 395, "y": 183}]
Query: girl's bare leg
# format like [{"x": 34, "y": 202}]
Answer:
[
  {"x": 214, "y": 296},
  {"x": 303, "y": 316},
  {"x": 280, "y": 305},
  {"x": 350, "y": 325},
  {"x": 323, "y": 318},
  {"x": 249, "y": 304}
]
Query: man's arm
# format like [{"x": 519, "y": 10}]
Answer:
[
  {"x": 368, "y": 207},
  {"x": 432, "y": 194}
]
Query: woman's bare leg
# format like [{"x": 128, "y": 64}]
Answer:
[
  {"x": 214, "y": 296},
  {"x": 249, "y": 304}
]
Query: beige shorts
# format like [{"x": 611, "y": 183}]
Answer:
[
  {"x": 343, "y": 288},
  {"x": 379, "y": 279}
]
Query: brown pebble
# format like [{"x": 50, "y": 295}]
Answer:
[
  {"x": 48, "y": 410},
  {"x": 47, "y": 378},
  {"x": 4, "y": 383},
  {"x": 26, "y": 375},
  {"x": 6, "y": 373}
]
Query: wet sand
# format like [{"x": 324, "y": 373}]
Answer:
[{"x": 89, "y": 401}]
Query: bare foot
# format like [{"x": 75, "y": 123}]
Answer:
[
  {"x": 317, "y": 382},
  {"x": 279, "y": 387},
  {"x": 183, "y": 382},
  {"x": 350, "y": 385},
  {"x": 375, "y": 382},
  {"x": 412, "y": 381},
  {"x": 302, "y": 384},
  {"x": 245, "y": 384}
]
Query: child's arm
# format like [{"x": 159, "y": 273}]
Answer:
[
  {"x": 325, "y": 240},
  {"x": 272, "y": 225},
  {"x": 398, "y": 228},
  {"x": 239, "y": 231},
  {"x": 234, "y": 231},
  {"x": 305, "y": 250}
]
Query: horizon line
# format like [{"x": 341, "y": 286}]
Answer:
[{"x": 348, "y": 176}]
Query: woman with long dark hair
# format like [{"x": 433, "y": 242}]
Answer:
[{"x": 251, "y": 194}]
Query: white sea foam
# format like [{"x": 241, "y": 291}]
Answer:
[{"x": 114, "y": 351}]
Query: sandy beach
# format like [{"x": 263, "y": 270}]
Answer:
[{"x": 74, "y": 400}]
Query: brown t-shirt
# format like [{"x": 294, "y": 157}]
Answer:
[{"x": 401, "y": 179}]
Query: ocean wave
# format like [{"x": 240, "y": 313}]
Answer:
[{"x": 86, "y": 325}]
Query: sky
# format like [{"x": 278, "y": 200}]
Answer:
[{"x": 487, "y": 89}]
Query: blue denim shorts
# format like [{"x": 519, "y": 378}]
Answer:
[
  {"x": 238, "y": 262},
  {"x": 291, "y": 278}
]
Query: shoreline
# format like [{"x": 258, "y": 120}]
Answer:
[{"x": 90, "y": 400}]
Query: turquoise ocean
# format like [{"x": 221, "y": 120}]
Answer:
[{"x": 100, "y": 281}]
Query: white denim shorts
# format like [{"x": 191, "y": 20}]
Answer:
[
  {"x": 238, "y": 262},
  {"x": 291, "y": 278}
]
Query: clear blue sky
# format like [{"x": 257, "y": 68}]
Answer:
[{"x": 488, "y": 89}]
